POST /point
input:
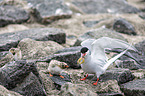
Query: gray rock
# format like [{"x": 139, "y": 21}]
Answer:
[
  {"x": 11, "y": 14},
  {"x": 123, "y": 26},
  {"x": 70, "y": 89},
  {"x": 32, "y": 49},
  {"x": 70, "y": 49},
  {"x": 9, "y": 40},
  {"x": 97, "y": 33},
  {"x": 60, "y": 81},
  {"x": 138, "y": 57},
  {"x": 108, "y": 88},
  {"x": 67, "y": 55},
  {"x": 121, "y": 75},
  {"x": 111, "y": 94},
  {"x": 48, "y": 11},
  {"x": 14, "y": 72},
  {"x": 139, "y": 74},
  {"x": 134, "y": 88},
  {"x": 3, "y": 54},
  {"x": 103, "y": 6},
  {"x": 6, "y": 92},
  {"x": 129, "y": 64},
  {"x": 48, "y": 84},
  {"x": 91, "y": 23},
  {"x": 142, "y": 15},
  {"x": 30, "y": 86},
  {"x": 141, "y": 47}
]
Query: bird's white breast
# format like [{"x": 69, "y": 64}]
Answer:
[
  {"x": 90, "y": 66},
  {"x": 55, "y": 70}
]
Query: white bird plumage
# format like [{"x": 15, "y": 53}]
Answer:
[
  {"x": 56, "y": 67},
  {"x": 95, "y": 60}
]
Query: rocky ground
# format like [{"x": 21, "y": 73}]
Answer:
[{"x": 45, "y": 30}]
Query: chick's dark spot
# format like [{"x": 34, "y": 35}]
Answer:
[{"x": 84, "y": 50}]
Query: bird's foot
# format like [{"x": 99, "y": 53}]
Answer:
[
  {"x": 84, "y": 78},
  {"x": 96, "y": 82},
  {"x": 50, "y": 75},
  {"x": 61, "y": 76}
]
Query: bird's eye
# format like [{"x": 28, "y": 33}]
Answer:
[{"x": 84, "y": 50}]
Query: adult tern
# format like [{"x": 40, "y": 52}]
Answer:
[{"x": 93, "y": 59}]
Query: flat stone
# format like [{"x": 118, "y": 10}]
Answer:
[
  {"x": 48, "y": 11},
  {"x": 97, "y": 33},
  {"x": 139, "y": 74},
  {"x": 134, "y": 88},
  {"x": 109, "y": 88},
  {"x": 12, "y": 15},
  {"x": 123, "y": 26},
  {"x": 91, "y": 23},
  {"x": 77, "y": 90},
  {"x": 60, "y": 81},
  {"x": 9, "y": 40},
  {"x": 121, "y": 75},
  {"x": 103, "y": 6}
]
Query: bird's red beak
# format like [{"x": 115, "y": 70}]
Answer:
[{"x": 83, "y": 54}]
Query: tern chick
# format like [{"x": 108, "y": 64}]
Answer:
[
  {"x": 93, "y": 59},
  {"x": 56, "y": 67}
]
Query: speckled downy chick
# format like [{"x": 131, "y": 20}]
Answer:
[
  {"x": 13, "y": 54},
  {"x": 16, "y": 52},
  {"x": 56, "y": 67}
]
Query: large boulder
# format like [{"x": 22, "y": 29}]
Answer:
[
  {"x": 13, "y": 73},
  {"x": 9, "y": 40},
  {"x": 30, "y": 86},
  {"x": 134, "y": 88},
  {"x": 32, "y": 49},
  {"x": 48, "y": 11},
  {"x": 105, "y": 6},
  {"x": 121, "y": 75},
  {"x": 11, "y": 14}
]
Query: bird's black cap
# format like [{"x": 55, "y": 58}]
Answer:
[{"x": 84, "y": 50}]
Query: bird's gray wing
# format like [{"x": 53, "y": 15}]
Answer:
[
  {"x": 114, "y": 59},
  {"x": 106, "y": 42},
  {"x": 99, "y": 45},
  {"x": 87, "y": 43}
]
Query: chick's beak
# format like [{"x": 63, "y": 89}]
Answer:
[{"x": 66, "y": 66}]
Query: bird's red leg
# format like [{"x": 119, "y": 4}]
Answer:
[
  {"x": 61, "y": 76},
  {"x": 85, "y": 77},
  {"x": 96, "y": 82},
  {"x": 50, "y": 74}
]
